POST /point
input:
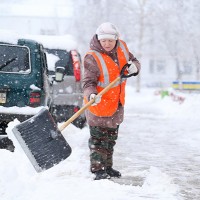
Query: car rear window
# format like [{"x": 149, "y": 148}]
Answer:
[
  {"x": 14, "y": 59},
  {"x": 65, "y": 60}
]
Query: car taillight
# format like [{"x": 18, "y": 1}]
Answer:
[
  {"x": 76, "y": 65},
  {"x": 35, "y": 98},
  {"x": 76, "y": 109}
]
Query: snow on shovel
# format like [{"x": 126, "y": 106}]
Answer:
[{"x": 41, "y": 139}]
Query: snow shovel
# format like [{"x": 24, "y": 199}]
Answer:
[{"x": 43, "y": 142}]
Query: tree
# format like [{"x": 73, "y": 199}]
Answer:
[{"x": 150, "y": 27}]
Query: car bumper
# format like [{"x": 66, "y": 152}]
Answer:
[
  {"x": 8, "y": 114},
  {"x": 75, "y": 99}
]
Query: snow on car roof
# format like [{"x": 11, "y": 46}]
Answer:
[
  {"x": 8, "y": 36},
  {"x": 65, "y": 42}
]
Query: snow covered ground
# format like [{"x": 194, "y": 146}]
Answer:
[{"x": 157, "y": 152}]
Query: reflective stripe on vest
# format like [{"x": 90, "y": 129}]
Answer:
[{"x": 126, "y": 52}]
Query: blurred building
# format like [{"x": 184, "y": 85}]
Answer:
[{"x": 36, "y": 19}]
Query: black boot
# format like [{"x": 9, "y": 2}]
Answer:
[
  {"x": 101, "y": 174},
  {"x": 112, "y": 172}
]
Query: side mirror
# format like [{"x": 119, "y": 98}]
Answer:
[{"x": 59, "y": 74}]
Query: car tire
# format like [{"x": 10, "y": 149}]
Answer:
[{"x": 6, "y": 143}]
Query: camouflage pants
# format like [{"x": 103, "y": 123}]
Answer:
[{"x": 101, "y": 143}]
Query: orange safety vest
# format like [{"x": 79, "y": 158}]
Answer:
[{"x": 109, "y": 71}]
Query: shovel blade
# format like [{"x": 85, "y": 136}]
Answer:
[{"x": 42, "y": 141}]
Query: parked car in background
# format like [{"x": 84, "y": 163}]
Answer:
[
  {"x": 67, "y": 95},
  {"x": 24, "y": 82}
]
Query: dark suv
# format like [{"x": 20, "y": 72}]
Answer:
[{"x": 24, "y": 82}]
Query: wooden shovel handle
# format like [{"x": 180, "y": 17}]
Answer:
[{"x": 65, "y": 124}]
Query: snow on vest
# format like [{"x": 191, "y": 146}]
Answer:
[{"x": 109, "y": 71}]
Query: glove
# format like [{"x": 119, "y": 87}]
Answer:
[
  {"x": 97, "y": 99},
  {"x": 132, "y": 69}
]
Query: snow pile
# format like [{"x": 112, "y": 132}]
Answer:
[
  {"x": 157, "y": 182},
  {"x": 71, "y": 178},
  {"x": 27, "y": 110}
]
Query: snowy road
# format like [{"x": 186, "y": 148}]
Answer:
[
  {"x": 157, "y": 152},
  {"x": 169, "y": 142}
]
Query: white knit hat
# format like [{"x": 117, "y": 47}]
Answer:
[{"x": 107, "y": 31}]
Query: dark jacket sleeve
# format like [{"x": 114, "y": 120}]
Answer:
[
  {"x": 135, "y": 61},
  {"x": 91, "y": 75}
]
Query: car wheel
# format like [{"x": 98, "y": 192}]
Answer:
[{"x": 6, "y": 143}]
